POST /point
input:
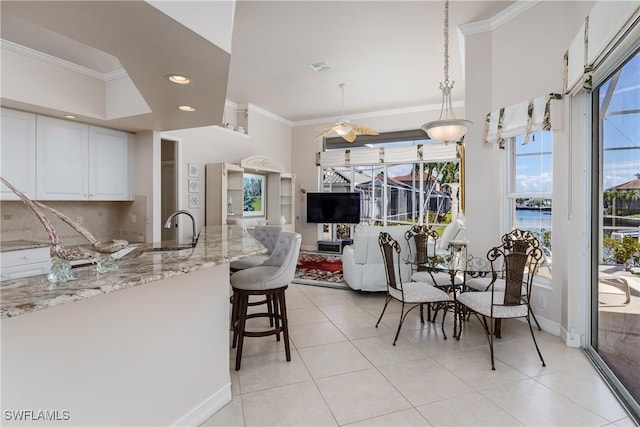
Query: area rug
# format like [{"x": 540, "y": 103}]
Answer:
[{"x": 320, "y": 270}]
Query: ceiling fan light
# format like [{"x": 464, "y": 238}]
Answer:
[
  {"x": 350, "y": 136},
  {"x": 343, "y": 129},
  {"x": 448, "y": 130}
]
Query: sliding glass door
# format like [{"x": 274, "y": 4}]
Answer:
[{"x": 615, "y": 290}]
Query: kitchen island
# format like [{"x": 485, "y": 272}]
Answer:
[{"x": 145, "y": 345}]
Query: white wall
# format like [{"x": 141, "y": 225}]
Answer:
[
  {"x": 266, "y": 135},
  {"x": 154, "y": 355},
  {"x": 521, "y": 59}
]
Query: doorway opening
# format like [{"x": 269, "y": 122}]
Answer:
[{"x": 169, "y": 186}]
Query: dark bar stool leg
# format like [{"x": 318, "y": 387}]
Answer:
[
  {"x": 285, "y": 324},
  {"x": 242, "y": 300}
]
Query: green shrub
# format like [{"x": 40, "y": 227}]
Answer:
[{"x": 623, "y": 249}]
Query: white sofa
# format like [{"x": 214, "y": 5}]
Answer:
[{"x": 362, "y": 265}]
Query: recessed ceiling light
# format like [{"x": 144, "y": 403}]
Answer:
[
  {"x": 320, "y": 66},
  {"x": 188, "y": 108},
  {"x": 70, "y": 116},
  {"x": 178, "y": 79}
]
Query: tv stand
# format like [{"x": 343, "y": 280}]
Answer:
[{"x": 333, "y": 246}]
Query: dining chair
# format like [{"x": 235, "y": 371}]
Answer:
[
  {"x": 413, "y": 294},
  {"x": 270, "y": 280},
  {"x": 423, "y": 242},
  {"x": 513, "y": 257},
  {"x": 516, "y": 239}
]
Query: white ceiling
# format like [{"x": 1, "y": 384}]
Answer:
[{"x": 389, "y": 53}]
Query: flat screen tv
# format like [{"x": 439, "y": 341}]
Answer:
[{"x": 333, "y": 208}]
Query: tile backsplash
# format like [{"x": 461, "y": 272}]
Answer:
[{"x": 105, "y": 220}]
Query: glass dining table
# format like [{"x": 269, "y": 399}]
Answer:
[{"x": 459, "y": 266}]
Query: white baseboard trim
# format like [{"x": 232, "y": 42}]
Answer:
[
  {"x": 571, "y": 340},
  {"x": 546, "y": 325},
  {"x": 201, "y": 412}
]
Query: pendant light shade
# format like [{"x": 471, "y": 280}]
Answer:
[{"x": 447, "y": 128}]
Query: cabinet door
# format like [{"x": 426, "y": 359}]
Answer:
[
  {"x": 62, "y": 159},
  {"x": 18, "y": 153},
  {"x": 109, "y": 177}
]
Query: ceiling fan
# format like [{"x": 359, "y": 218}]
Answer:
[{"x": 348, "y": 131}]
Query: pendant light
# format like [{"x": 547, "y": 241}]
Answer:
[{"x": 447, "y": 128}]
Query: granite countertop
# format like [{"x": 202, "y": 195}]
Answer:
[
  {"x": 216, "y": 245},
  {"x": 17, "y": 245}
]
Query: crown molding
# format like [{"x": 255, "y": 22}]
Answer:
[
  {"x": 503, "y": 17},
  {"x": 380, "y": 113},
  {"x": 44, "y": 57},
  {"x": 262, "y": 111}
]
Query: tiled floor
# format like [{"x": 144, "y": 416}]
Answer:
[{"x": 344, "y": 371}]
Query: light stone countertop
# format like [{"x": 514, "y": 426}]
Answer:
[
  {"x": 18, "y": 245},
  {"x": 216, "y": 245}
]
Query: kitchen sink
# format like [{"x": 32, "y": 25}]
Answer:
[{"x": 168, "y": 248}]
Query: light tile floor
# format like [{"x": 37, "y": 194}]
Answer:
[{"x": 344, "y": 371}]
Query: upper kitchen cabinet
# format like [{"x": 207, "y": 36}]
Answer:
[
  {"x": 76, "y": 161},
  {"x": 109, "y": 170},
  {"x": 18, "y": 153},
  {"x": 62, "y": 159}
]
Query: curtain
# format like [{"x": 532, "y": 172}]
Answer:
[
  {"x": 522, "y": 119},
  {"x": 436, "y": 152},
  {"x": 603, "y": 27}
]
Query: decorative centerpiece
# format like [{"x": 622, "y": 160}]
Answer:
[{"x": 61, "y": 255}]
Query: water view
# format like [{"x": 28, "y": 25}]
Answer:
[{"x": 533, "y": 218}]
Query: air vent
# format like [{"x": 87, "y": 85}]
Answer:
[{"x": 321, "y": 66}]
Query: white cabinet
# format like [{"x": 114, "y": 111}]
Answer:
[
  {"x": 24, "y": 263},
  {"x": 223, "y": 193},
  {"x": 287, "y": 199},
  {"x": 76, "y": 161},
  {"x": 18, "y": 153},
  {"x": 280, "y": 201},
  {"x": 109, "y": 171},
  {"x": 62, "y": 159}
]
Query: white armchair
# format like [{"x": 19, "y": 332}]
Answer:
[{"x": 362, "y": 264}]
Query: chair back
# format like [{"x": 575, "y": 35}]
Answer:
[
  {"x": 418, "y": 238},
  {"x": 517, "y": 259},
  {"x": 267, "y": 235},
  {"x": 390, "y": 249},
  {"x": 285, "y": 257}
]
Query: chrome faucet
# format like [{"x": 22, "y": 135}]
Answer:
[{"x": 167, "y": 224}]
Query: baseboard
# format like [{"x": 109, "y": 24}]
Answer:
[
  {"x": 206, "y": 408},
  {"x": 570, "y": 339},
  {"x": 546, "y": 325}
]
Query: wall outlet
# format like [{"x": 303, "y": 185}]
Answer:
[
  {"x": 79, "y": 220},
  {"x": 133, "y": 219}
]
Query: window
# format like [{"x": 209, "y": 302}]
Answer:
[
  {"x": 397, "y": 182},
  {"x": 529, "y": 191}
]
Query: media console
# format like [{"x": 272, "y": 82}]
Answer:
[{"x": 333, "y": 246}]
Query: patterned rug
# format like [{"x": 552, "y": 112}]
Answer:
[{"x": 320, "y": 270}]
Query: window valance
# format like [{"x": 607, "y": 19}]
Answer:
[
  {"x": 605, "y": 25},
  {"x": 408, "y": 154},
  {"x": 521, "y": 119}
]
